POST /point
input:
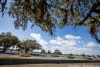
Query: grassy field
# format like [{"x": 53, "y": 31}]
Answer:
[{"x": 56, "y": 65}]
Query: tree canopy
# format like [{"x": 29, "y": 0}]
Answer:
[
  {"x": 7, "y": 40},
  {"x": 43, "y": 51},
  {"x": 27, "y": 45},
  {"x": 49, "y": 52},
  {"x": 98, "y": 56},
  {"x": 57, "y": 52},
  {"x": 50, "y": 14}
]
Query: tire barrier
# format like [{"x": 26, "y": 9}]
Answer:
[{"x": 41, "y": 61}]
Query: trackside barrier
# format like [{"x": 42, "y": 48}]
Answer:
[{"x": 41, "y": 61}]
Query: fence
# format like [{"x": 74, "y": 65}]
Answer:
[{"x": 41, "y": 61}]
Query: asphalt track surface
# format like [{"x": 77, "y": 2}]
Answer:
[
  {"x": 8, "y": 59},
  {"x": 36, "y": 57}
]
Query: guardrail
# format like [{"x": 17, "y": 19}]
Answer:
[{"x": 41, "y": 61}]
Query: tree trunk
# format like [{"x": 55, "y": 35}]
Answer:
[
  {"x": 25, "y": 51},
  {"x": 4, "y": 49}
]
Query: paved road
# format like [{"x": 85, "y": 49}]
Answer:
[
  {"x": 36, "y": 57},
  {"x": 15, "y": 55}
]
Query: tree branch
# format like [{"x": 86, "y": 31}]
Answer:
[
  {"x": 97, "y": 11},
  {"x": 3, "y": 7},
  {"x": 93, "y": 8}
]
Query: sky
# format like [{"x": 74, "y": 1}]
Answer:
[{"x": 66, "y": 40}]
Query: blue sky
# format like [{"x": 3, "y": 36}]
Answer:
[{"x": 67, "y": 40}]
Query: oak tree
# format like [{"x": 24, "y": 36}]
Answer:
[
  {"x": 57, "y": 52},
  {"x": 50, "y": 14},
  {"x": 43, "y": 51},
  {"x": 6, "y": 41},
  {"x": 28, "y": 45}
]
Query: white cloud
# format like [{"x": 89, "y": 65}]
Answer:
[
  {"x": 40, "y": 40},
  {"x": 84, "y": 45},
  {"x": 80, "y": 50},
  {"x": 91, "y": 44},
  {"x": 75, "y": 50},
  {"x": 36, "y": 36},
  {"x": 72, "y": 37},
  {"x": 64, "y": 42},
  {"x": 53, "y": 48},
  {"x": 68, "y": 45}
]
